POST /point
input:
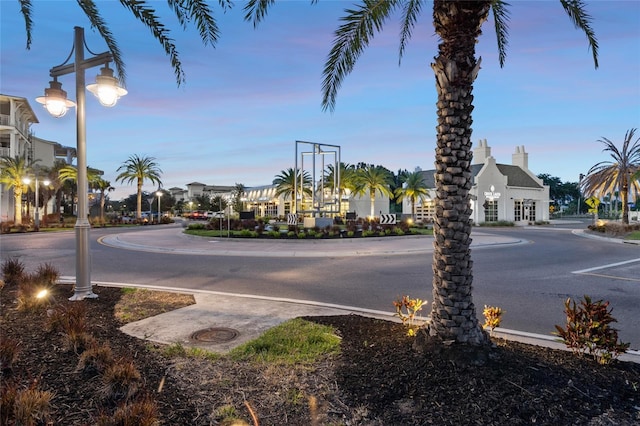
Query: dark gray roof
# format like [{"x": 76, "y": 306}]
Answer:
[
  {"x": 518, "y": 177},
  {"x": 515, "y": 176}
]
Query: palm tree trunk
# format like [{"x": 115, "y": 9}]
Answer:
[
  {"x": 139, "y": 201},
  {"x": 372, "y": 195},
  {"x": 453, "y": 314},
  {"x": 17, "y": 208},
  {"x": 102, "y": 207}
]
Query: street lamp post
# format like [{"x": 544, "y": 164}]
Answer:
[
  {"x": 579, "y": 192},
  {"x": 159, "y": 195},
  {"x": 36, "y": 214},
  {"x": 55, "y": 101}
]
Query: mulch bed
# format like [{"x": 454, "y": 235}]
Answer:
[{"x": 378, "y": 379}]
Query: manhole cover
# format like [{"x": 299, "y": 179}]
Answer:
[{"x": 215, "y": 335}]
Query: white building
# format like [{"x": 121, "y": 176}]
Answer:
[{"x": 500, "y": 192}]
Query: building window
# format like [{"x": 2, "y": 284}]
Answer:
[
  {"x": 532, "y": 211},
  {"x": 524, "y": 210},
  {"x": 491, "y": 211},
  {"x": 425, "y": 212},
  {"x": 517, "y": 211}
]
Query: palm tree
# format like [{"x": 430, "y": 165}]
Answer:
[
  {"x": 458, "y": 25},
  {"x": 13, "y": 170},
  {"x": 238, "y": 193},
  {"x": 286, "y": 183},
  {"x": 616, "y": 176},
  {"x": 347, "y": 173},
  {"x": 103, "y": 186},
  {"x": 139, "y": 169},
  {"x": 414, "y": 188},
  {"x": 69, "y": 174},
  {"x": 371, "y": 179}
]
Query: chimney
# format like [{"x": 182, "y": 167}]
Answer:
[
  {"x": 481, "y": 153},
  {"x": 520, "y": 158}
]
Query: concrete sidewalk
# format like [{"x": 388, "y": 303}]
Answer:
[{"x": 221, "y": 321}]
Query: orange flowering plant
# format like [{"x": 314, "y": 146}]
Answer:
[
  {"x": 492, "y": 317},
  {"x": 406, "y": 309}
]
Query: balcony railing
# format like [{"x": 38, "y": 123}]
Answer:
[{"x": 21, "y": 126}]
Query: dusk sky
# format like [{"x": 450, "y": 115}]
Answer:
[{"x": 247, "y": 101}]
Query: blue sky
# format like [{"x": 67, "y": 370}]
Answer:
[{"x": 248, "y": 100}]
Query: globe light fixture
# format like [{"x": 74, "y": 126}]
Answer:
[
  {"x": 55, "y": 99},
  {"x": 106, "y": 87}
]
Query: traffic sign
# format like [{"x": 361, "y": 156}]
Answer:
[
  {"x": 592, "y": 202},
  {"x": 387, "y": 219}
]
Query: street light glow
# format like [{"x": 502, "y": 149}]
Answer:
[
  {"x": 55, "y": 99},
  {"x": 106, "y": 88}
]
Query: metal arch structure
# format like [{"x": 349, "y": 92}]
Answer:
[{"x": 320, "y": 203}]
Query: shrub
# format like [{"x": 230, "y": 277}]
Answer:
[
  {"x": 48, "y": 273},
  {"x": 291, "y": 234},
  {"x": 196, "y": 226},
  {"x": 406, "y": 310},
  {"x": 8, "y": 393},
  {"x": 96, "y": 359},
  {"x": 588, "y": 331},
  {"x": 78, "y": 342},
  {"x": 120, "y": 381},
  {"x": 143, "y": 412},
  {"x": 12, "y": 271},
  {"x": 5, "y": 227},
  {"x": 32, "y": 293},
  {"x": 8, "y": 353},
  {"x": 32, "y": 406},
  {"x": 492, "y": 317},
  {"x": 71, "y": 318}
]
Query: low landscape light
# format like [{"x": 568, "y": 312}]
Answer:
[{"x": 42, "y": 294}]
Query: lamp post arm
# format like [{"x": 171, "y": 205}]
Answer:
[{"x": 95, "y": 61}]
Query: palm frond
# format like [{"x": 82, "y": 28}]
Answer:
[
  {"x": 501, "y": 22},
  {"x": 201, "y": 14},
  {"x": 410, "y": 13},
  {"x": 147, "y": 15},
  {"x": 613, "y": 175},
  {"x": 582, "y": 20},
  {"x": 25, "y": 9},
  {"x": 91, "y": 10},
  {"x": 351, "y": 38},
  {"x": 256, "y": 10}
]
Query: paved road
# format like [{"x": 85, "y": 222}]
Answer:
[{"x": 527, "y": 271}]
